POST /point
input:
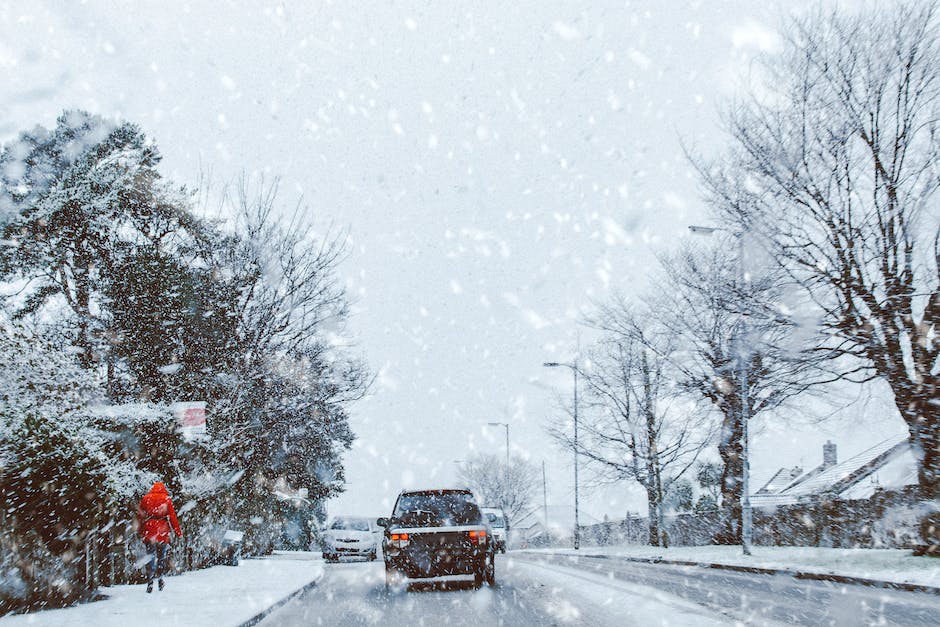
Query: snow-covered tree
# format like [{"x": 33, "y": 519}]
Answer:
[
  {"x": 635, "y": 425},
  {"x": 163, "y": 307},
  {"x": 289, "y": 390},
  {"x": 69, "y": 197},
  {"x": 833, "y": 160},
  {"x": 708, "y": 475},
  {"x": 172, "y": 325},
  {"x": 511, "y": 489},
  {"x": 702, "y": 307},
  {"x": 680, "y": 497}
]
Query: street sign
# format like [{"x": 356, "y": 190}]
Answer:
[{"x": 191, "y": 417}]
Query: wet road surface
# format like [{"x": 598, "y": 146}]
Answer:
[{"x": 540, "y": 589}]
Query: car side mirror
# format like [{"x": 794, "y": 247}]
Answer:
[{"x": 383, "y": 522}]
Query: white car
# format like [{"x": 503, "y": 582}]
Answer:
[
  {"x": 497, "y": 522},
  {"x": 347, "y": 536}
]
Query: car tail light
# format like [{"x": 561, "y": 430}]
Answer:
[
  {"x": 476, "y": 537},
  {"x": 399, "y": 539}
]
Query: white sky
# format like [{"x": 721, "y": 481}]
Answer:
[{"x": 498, "y": 169}]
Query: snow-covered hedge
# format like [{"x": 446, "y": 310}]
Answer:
[{"x": 72, "y": 469}]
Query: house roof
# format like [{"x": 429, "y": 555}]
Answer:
[
  {"x": 781, "y": 479},
  {"x": 898, "y": 471},
  {"x": 889, "y": 461}
]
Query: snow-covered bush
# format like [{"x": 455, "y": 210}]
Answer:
[
  {"x": 69, "y": 467},
  {"x": 53, "y": 472}
]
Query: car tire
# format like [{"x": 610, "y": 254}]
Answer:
[
  {"x": 489, "y": 572},
  {"x": 478, "y": 577},
  {"x": 394, "y": 579}
]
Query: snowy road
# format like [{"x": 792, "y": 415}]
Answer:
[
  {"x": 527, "y": 593},
  {"x": 768, "y": 599},
  {"x": 557, "y": 590}
]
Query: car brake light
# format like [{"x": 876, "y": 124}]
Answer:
[
  {"x": 477, "y": 536},
  {"x": 399, "y": 540}
]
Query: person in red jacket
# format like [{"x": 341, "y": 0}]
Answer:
[{"x": 157, "y": 518}]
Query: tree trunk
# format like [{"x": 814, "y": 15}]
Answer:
[
  {"x": 925, "y": 438},
  {"x": 921, "y": 411},
  {"x": 82, "y": 307},
  {"x": 653, "y": 483},
  {"x": 658, "y": 486},
  {"x": 652, "y": 498},
  {"x": 732, "y": 457}
]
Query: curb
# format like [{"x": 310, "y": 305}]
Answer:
[
  {"x": 796, "y": 574},
  {"x": 257, "y": 618}
]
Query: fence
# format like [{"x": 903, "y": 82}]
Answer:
[
  {"x": 117, "y": 556},
  {"x": 886, "y": 520}
]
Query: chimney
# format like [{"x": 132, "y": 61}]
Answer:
[{"x": 829, "y": 454}]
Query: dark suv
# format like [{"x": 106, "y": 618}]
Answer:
[{"x": 433, "y": 533}]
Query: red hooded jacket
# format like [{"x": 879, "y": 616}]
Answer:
[{"x": 156, "y": 515}]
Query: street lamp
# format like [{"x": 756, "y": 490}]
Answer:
[
  {"x": 746, "y": 515},
  {"x": 462, "y": 466},
  {"x": 574, "y": 369},
  {"x": 506, "y": 489},
  {"x": 503, "y": 424}
]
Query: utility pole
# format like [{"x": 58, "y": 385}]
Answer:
[
  {"x": 577, "y": 521},
  {"x": 746, "y": 514}
]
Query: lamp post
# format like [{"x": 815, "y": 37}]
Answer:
[
  {"x": 462, "y": 469},
  {"x": 574, "y": 369},
  {"x": 740, "y": 345},
  {"x": 503, "y": 424},
  {"x": 506, "y": 488}
]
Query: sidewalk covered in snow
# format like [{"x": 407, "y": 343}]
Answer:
[
  {"x": 216, "y": 597},
  {"x": 891, "y": 565}
]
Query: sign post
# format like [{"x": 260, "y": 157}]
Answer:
[{"x": 191, "y": 417}]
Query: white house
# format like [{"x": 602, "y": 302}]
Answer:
[{"x": 888, "y": 465}]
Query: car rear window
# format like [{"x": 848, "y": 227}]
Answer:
[
  {"x": 352, "y": 524},
  {"x": 437, "y": 509}
]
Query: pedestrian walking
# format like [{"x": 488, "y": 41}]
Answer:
[{"x": 157, "y": 519}]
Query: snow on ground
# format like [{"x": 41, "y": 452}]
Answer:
[
  {"x": 214, "y": 597},
  {"x": 895, "y": 565}
]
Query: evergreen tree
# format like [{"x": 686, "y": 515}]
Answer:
[{"x": 68, "y": 196}]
